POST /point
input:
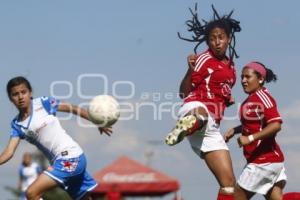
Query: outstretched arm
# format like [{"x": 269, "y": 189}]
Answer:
[
  {"x": 10, "y": 149},
  {"x": 70, "y": 108},
  {"x": 76, "y": 110},
  {"x": 270, "y": 130}
]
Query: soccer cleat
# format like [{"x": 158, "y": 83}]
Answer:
[{"x": 181, "y": 129}]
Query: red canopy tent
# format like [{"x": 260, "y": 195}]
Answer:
[
  {"x": 291, "y": 196},
  {"x": 131, "y": 178}
]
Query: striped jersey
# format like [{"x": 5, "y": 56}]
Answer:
[
  {"x": 43, "y": 129},
  {"x": 256, "y": 112},
  {"x": 212, "y": 81}
]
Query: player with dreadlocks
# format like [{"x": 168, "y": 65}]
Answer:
[{"x": 206, "y": 89}]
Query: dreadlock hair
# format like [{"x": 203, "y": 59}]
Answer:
[
  {"x": 270, "y": 75},
  {"x": 201, "y": 30}
]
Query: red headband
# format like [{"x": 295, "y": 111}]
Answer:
[{"x": 257, "y": 67}]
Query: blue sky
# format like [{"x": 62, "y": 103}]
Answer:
[{"x": 134, "y": 45}]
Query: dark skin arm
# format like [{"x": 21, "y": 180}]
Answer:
[
  {"x": 231, "y": 132},
  {"x": 186, "y": 83},
  {"x": 70, "y": 108}
]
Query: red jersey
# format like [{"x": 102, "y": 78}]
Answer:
[
  {"x": 212, "y": 81},
  {"x": 256, "y": 112},
  {"x": 113, "y": 195}
]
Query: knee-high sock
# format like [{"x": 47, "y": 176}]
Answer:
[
  {"x": 222, "y": 196},
  {"x": 200, "y": 122}
]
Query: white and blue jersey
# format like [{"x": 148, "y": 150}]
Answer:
[
  {"x": 42, "y": 128},
  {"x": 68, "y": 163}
]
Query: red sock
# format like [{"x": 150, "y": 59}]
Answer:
[
  {"x": 198, "y": 125},
  {"x": 222, "y": 196}
]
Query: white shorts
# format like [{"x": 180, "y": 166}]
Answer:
[
  {"x": 209, "y": 137},
  {"x": 260, "y": 178}
]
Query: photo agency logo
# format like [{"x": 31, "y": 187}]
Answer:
[{"x": 133, "y": 105}]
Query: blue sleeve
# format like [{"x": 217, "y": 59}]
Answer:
[
  {"x": 16, "y": 131},
  {"x": 50, "y": 104},
  {"x": 21, "y": 171},
  {"x": 38, "y": 169}
]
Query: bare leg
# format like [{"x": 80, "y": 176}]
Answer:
[
  {"x": 241, "y": 194},
  {"x": 275, "y": 192},
  {"x": 219, "y": 163},
  {"x": 42, "y": 184}
]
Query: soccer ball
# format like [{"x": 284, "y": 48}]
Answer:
[{"x": 104, "y": 110}]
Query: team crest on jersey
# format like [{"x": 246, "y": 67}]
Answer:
[
  {"x": 69, "y": 165},
  {"x": 53, "y": 102},
  {"x": 226, "y": 89},
  {"x": 30, "y": 135}
]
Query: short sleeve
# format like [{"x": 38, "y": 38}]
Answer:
[
  {"x": 21, "y": 171},
  {"x": 50, "y": 104},
  {"x": 269, "y": 107},
  {"x": 38, "y": 169},
  {"x": 200, "y": 71},
  {"x": 272, "y": 115},
  {"x": 16, "y": 131}
]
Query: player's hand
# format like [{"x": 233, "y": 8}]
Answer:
[
  {"x": 230, "y": 102},
  {"x": 228, "y": 135},
  {"x": 106, "y": 130},
  {"x": 191, "y": 60},
  {"x": 243, "y": 141}
]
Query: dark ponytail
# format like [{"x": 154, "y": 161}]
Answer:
[{"x": 270, "y": 75}]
